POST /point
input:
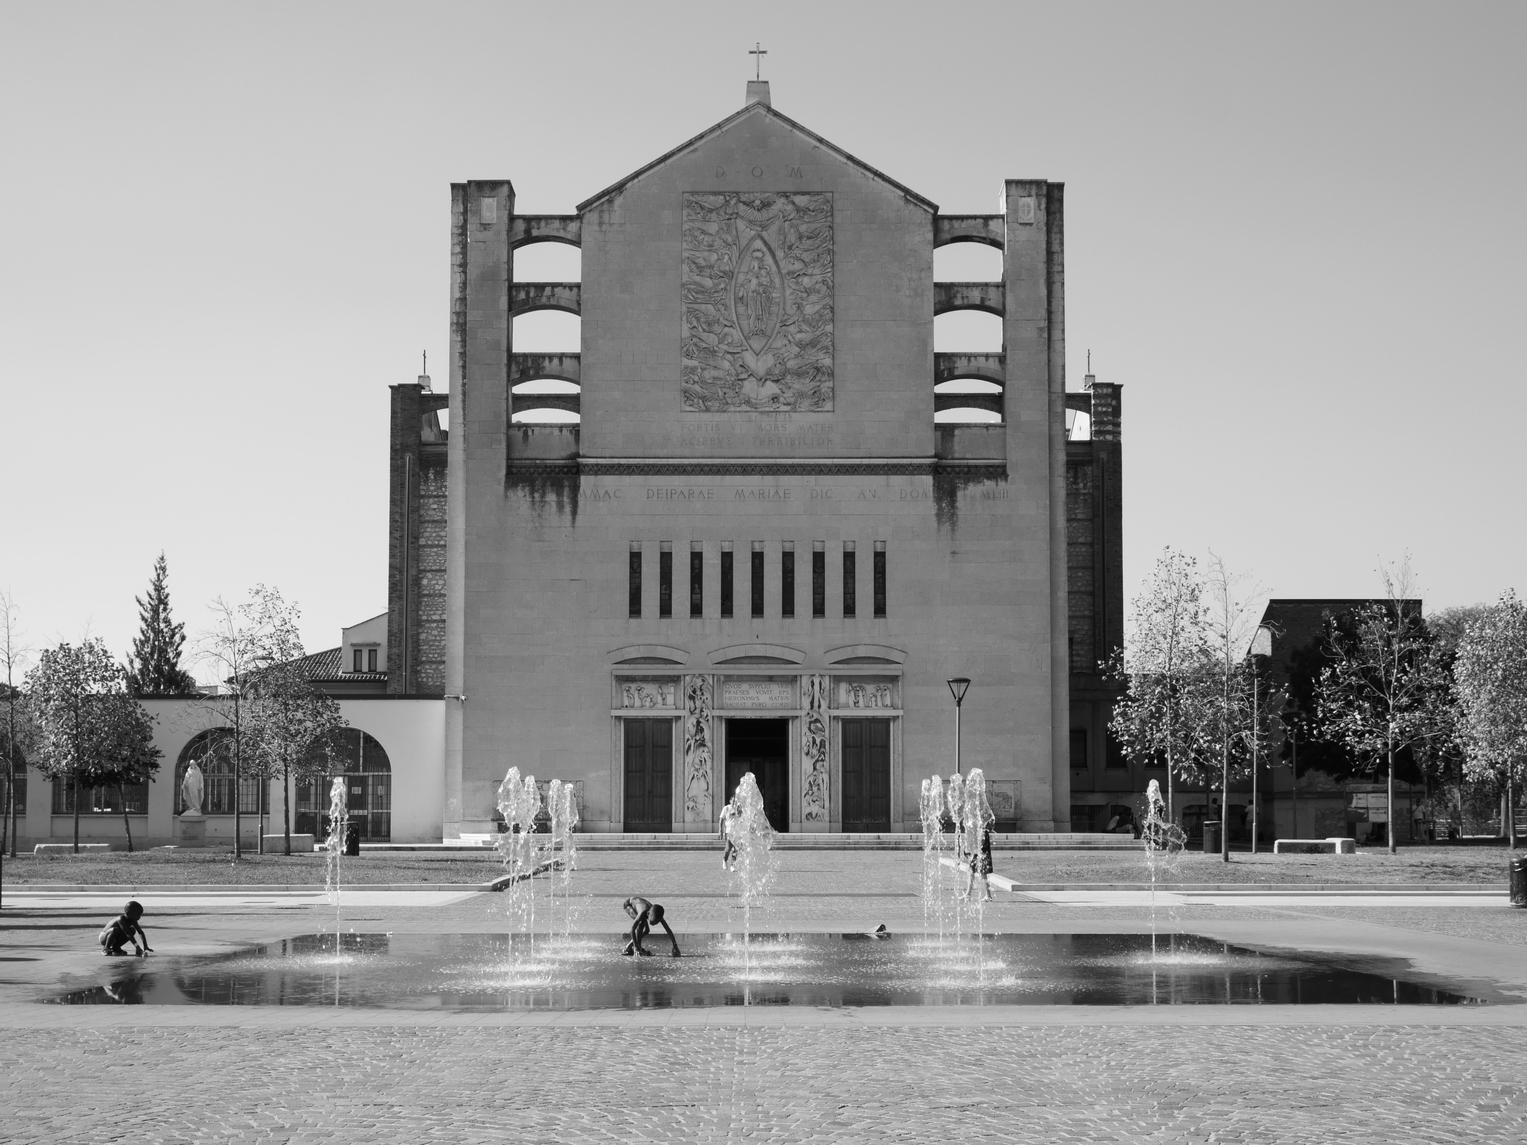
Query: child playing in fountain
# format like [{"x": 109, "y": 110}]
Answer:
[
  {"x": 645, "y": 914},
  {"x": 728, "y": 844},
  {"x": 124, "y": 929},
  {"x": 980, "y": 866}
]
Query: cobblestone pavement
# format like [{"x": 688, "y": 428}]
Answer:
[
  {"x": 1169, "y": 1074},
  {"x": 391, "y": 1084}
]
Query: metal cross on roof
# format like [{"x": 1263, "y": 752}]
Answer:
[{"x": 758, "y": 51}]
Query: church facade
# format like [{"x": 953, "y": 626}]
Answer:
[{"x": 756, "y": 549}]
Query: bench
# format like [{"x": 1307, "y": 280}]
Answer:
[
  {"x": 301, "y": 844},
  {"x": 1336, "y": 845},
  {"x": 67, "y": 848}
]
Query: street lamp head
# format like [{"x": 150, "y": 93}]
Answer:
[
  {"x": 957, "y": 688},
  {"x": 1261, "y": 643}
]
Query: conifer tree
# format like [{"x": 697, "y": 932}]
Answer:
[{"x": 154, "y": 668}]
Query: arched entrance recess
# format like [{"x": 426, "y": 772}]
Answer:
[{"x": 367, "y": 772}]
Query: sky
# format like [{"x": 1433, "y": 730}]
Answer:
[{"x": 1294, "y": 235}]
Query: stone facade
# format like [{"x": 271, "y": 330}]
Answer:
[{"x": 757, "y": 382}]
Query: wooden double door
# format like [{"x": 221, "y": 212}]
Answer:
[
  {"x": 866, "y": 759},
  {"x": 648, "y": 775}
]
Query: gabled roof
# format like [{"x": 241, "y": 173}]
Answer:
[
  {"x": 328, "y": 667},
  {"x": 764, "y": 110}
]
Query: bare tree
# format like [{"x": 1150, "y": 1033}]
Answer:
[
  {"x": 1491, "y": 675},
  {"x": 242, "y": 640},
  {"x": 1385, "y": 690}
]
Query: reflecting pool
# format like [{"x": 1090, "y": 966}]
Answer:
[{"x": 504, "y": 972}]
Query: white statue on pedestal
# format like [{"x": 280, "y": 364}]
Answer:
[{"x": 191, "y": 788}]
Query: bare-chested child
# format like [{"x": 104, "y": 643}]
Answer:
[
  {"x": 645, "y": 915},
  {"x": 124, "y": 929}
]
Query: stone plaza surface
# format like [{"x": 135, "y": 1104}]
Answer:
[{"x": 1183, "y": 1073}]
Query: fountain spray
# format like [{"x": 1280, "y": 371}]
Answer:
[
  {"x": 931, "y": 808},
  {"x": 339, "y": 824},
  {"x": 1163, "y": 841},
  {"x": 753, "y": 867},
  {"x": 954, "y": 798},
  {"x": 518, "y": 802},
  {"x": 568, "y": 808},
  {"x": 976, "y": 817}
]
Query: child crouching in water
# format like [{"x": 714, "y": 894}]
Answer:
[{"x": 124, "y": 929}]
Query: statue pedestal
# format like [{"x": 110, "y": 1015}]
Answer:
[{"x": 193, "y": 829}]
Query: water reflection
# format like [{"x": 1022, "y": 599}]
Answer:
[{"x": 507, "y": 972}]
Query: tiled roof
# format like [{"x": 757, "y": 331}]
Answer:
[{"x": 328, "y": 667}]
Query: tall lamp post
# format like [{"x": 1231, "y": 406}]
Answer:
[
  {"x": 1261, "y": 649},
  {"x": 957, "y": 689}
]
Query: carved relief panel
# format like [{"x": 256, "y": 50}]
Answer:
[
  {"x": 866, "y": 693},
  {"x": 648, "y": 693},
  {"x": 814, "y": 801},
  {"x": 697, "y": 748},
  {"x": 757, "y": 302}
]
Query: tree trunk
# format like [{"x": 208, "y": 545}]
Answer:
[
  {"x": 1510, "y": 812},
  {"x": 286, "y": 807},
  {"x": 1394, "y": 846},
  {"x": 75, "y": 780},
  {"x": 122, "y": 794},
  {"x": 238, "y": 803},
  {"x": 1293, "y": 770},
  {"x": 1224, "y": 802}
]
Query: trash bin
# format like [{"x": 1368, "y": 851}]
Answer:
[
  {"x": 352, "y": 839},
  {"x": 1211, "y": 836},
  {"x": 1516, "y": 868}
]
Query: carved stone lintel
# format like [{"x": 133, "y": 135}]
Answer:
[
  {"x": 697, "y": 748},
  {"x": 814, "y": 799},
  {"x": 757, "y": 298}
]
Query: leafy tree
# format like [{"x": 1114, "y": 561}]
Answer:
[
  {"x": 1160, "y": 716},
  {"x": 242, "y": 641},
  {"x": 88, "y": 726},
  {"x": 127, "y": 752},
  {"x": 1384, "y": 691},
  {"x": 154, "y": 666},
  {"x": 289, "y": 725},
  {"x": 1491, "y": 675}
]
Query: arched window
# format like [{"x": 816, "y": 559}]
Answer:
[
  {"x": 367, "y": 772},
  {"x": 213, "y": 752}
]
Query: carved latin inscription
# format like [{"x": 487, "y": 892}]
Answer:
[{"x": 757, "y": 295}]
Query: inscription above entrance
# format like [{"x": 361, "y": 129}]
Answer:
[
  {"x": 757, "y": 293},
  {"x": 757, "y": 694}
]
